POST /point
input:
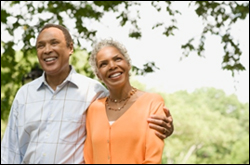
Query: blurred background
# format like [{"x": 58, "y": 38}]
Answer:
[{"x": 194, "y": 53}]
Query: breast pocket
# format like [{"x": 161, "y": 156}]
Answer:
[{"x": 74, "y": 122}]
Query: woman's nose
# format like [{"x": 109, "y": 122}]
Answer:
[{"x": 112, "y": 65}]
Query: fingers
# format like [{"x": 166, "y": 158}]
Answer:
[
  {"x": 162, "y": 124},
  {"x": 161, "y": 120},
  {"x": 167, "y": 112},
  {"x": 159, "y": 125},
  {"x": 160, "y": 131},
  {"x": 161, "y": 136},
  {"x": 168, "y": 115}
]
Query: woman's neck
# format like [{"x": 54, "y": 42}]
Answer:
[{"x": 120, "y": 93}]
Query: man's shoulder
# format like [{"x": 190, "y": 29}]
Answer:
[
  {"x": 80, "y": 76},
  {"x": 85, "y": 82},
  {"x": 31, "y": 86},
  {"x": 34, "y": 83}
]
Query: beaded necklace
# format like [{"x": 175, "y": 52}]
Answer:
[{"x": 131, "y": 93}]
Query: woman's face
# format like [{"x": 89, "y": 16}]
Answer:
[{"x": 113, "y": 68}]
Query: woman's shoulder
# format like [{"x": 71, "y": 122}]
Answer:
[
  {"x": 98, "y": 102},
  {"x": 153, "y": 96}
]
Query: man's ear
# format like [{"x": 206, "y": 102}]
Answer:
[{"x": 71, "y": 46}]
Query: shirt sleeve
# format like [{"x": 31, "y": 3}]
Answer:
[
  {"x": 100, "y": 91},
  {"x": 10, "y": 150},
  {"x": 154, "y": 145}
]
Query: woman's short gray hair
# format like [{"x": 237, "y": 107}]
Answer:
[{"x": 104, "y": 43}]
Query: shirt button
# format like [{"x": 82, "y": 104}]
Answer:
[
  {"x": 107, "y": 141},
  {"x": 44, "y": 154}
]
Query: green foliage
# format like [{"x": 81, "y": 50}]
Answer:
[
  {"x": 80, "y": 62},
  {"x": 240, "y": 153},
  {"x": 12, "y": 74},
  {"x": 210, "y": 128},
  {"x": 3, "y": 126},
  {"x": 221, "y": 16},
  {"x": 217, "y": 17}
]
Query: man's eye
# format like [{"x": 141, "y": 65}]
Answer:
[
  {"x": 40, "y": 46},
  {"x": 102, "y": 64}
]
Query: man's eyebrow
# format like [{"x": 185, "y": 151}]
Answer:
[
  {"x": 53, "y": 39},
  {"x": 40, "y": 42}
]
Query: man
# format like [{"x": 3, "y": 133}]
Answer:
[{"x": 47, "y": 117}]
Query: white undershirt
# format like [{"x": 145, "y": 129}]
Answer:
[{"x": 111, "y": 122}]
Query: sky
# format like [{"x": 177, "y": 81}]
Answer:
[
  {"x": 174, "y": 74},
  {"x": 189, "y": 73}
]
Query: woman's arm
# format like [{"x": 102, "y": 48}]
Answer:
[
  {"x": 88, "y": 152},
  {"x": 154, "y": 145}
]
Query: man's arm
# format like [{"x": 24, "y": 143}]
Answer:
[
  {"x": 10, "y": 152},
  {"x": 162, "y": 124}
]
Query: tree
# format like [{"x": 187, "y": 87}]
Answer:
[
  {"x": 22, "y": 20},
  {"x": 207, "y": 130}
]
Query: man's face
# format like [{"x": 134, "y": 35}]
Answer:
[{"x": 52, "y": 51}]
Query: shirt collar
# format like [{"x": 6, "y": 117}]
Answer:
[{"x": 70, "y": 78}]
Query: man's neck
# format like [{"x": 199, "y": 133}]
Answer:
[{"x": 55, "y": 80}]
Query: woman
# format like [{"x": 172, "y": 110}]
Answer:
[{"x": 117, "y": 130}]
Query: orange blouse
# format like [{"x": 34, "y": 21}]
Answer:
[{"x": 129, "y": 140}]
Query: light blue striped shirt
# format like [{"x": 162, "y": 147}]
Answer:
[{"x": 47, "y": 126}]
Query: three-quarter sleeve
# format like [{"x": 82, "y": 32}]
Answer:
[{"x": 154, "y": 145}]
